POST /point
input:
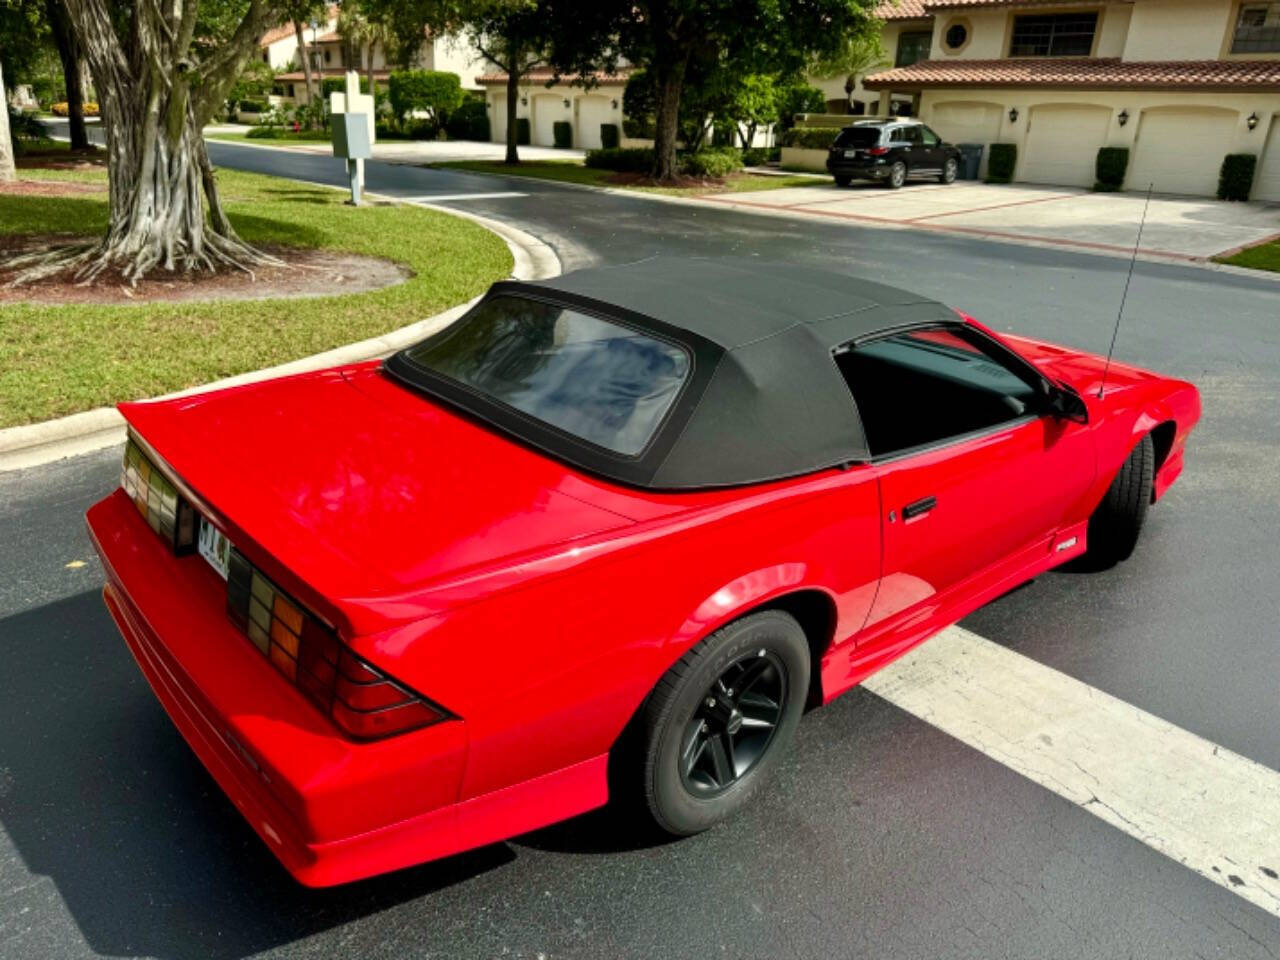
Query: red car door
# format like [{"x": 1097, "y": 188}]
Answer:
[{"x": 974, "y": 477}]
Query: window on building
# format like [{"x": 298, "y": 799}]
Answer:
[
  {"x": 956, "y": 36},
  {"x": 913, "y": 45},
  {"x": 1257, "y": 29},
  {"x": 1053, "y": 35}
]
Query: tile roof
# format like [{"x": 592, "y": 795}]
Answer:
[
  {"x": 297, "y": 76},
  {"x": 1091, "y": 73},
  {"x": 901, "y": 10},
  {"x": 546, "y": 76},
  {"x": 286, "y": 29}
]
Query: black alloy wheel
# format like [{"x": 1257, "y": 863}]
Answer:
[{"x": 734, "y": 724}]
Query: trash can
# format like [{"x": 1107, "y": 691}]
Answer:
[{"x": 971, "y": 160}]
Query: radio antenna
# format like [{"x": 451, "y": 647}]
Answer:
[{"x": 1125, "y": 296}]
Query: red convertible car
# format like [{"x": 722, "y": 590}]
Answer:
[{"x": 607, "y": 534}]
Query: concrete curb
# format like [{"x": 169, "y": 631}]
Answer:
[{"x": 32, "y": 445}]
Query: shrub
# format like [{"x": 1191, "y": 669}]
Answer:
[
  {"x": 1235, "y": 180},
  {"x": 434, "y": 91},
  {"x": 1110, "y": 167},
  {"x": 622, "y": 159},
  {"x": 716, "y": 162},
  {"x": 810, "y": 138},
  {"x": 265, "y": 133},
  {"x": 759, "y": 156},
  {"x": 609, "y": 136},
  {"x": 1001, "y": 161},
  {"x": 798, "y": 98},
  {"x": 562, "y": 131},
  {"x": 253, "y": 106},
  {"x": 522, "y": 131},
  {"x": 470, "y": 121},
  {"x": 60, "y": 109}
]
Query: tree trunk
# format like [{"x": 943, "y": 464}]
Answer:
[
  {"x": 670, "y": 82},
  {"x": 373, "y": 84},
  {"x": 513, "y": 91},
  {"x": 300, "y": 33},
  {"x": 69, "y": 54},
  {"x": 156, "y": 158},
  {"x": 7, "y": 171}
]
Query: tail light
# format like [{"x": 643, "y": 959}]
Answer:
[
  {"x": 156, "y": 498},
  {"x": 877, "y": 151},
  {"x": 365, "y": 703}
]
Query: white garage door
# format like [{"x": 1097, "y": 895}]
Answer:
[
  {"x": 1267, "y": 186},
  {"x": 1063, "y": 142},
  {"x": 498, "y": 118},
  {"x": 1180, "y": 150},
  {"x": 592, "y": 112},
  {"x": 547, "y": 109}
]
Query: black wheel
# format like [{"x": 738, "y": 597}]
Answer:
[
  {"x": 949, "y": 170},
  {"x": 843, "y": 179},
  {"x": 718, "y": 721},
  {"x": 897, "y": 175},
  {"x": 1117, "y": 521}
]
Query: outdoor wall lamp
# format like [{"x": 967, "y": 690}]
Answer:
[
  {"x": 524, "y": 101},
  {"x": 615, "y": 104},
  {"x": 1013, "y": 114},
  {"x": 566, "y": 103},
  {"x": 1123, "y": 117},
  {"x": 1252, "y": 121}
]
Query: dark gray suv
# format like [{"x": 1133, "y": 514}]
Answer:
[{"x": 891, "y": 151}]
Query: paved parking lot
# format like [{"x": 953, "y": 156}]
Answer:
[{"x": 1184, "y": 228}]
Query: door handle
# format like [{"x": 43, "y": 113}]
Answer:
[{"x": 915, "y": 509}]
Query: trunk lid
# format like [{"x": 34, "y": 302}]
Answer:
[{"x": 361, "y": 488}]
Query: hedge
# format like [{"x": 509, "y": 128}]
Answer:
[
  {"x": 470, "y": 121},
  {"x": 1109, "y": 168},
  {"x": 522, "y": 131},
  {"x": 1002, "y": 158},
  {"x": 759, "y": 156},
  {"x": 562, "y": 132},
  {"x": 434, "y": 91},
  {"x": 330, "y": 85},
  {"x": 1235, "y": 180},
  {"x": 810, "y": 138},
  {"x": 253, "y": 106},
  {"x": 717, "y": 162},
  {"x": 609, "y": 136},
  {"x": 265, "y": 133},
  {"x": 622, "y": 159}
]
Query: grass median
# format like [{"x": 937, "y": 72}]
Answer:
[
  {"x": 1264, "y": 256},
  {"x": 57, "y": 359},
  {"x": 573, "y": 171}
]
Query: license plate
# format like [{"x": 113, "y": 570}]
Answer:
[
  {"x": 214, "y": 547},
  {"x": 850, "y": 153}
]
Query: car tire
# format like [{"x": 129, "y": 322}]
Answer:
[
  {"x": 949, "y": 171},
  {"x": 1117, "y": 522},
  {"x": 897, "y": 175},
  {"x": 843, "y": 180},
  {"x": 695, "y": 703}
]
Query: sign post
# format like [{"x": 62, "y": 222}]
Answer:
[{"x": 351, "y": 120}]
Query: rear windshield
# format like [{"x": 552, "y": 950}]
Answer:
[
  {"x": 600, "y": 381},
  {"x": 858, "y": 137}
]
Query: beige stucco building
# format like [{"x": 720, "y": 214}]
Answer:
[
  {"x": 586, "y": 109},
  {"x": 1181, "y": 83}
]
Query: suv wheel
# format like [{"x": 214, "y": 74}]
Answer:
[
  {"x": 949, "y": 170},
  {"x": 843, "y": 179},
  {"x": 897, "y": 175}
]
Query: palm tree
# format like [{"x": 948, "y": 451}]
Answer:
[{"x": 364, "y": 33}]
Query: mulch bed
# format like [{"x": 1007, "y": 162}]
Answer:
[
  {"x": 50, "y": 188},
  {"x": 304, "y": 273},
  {"x": 644, "y": 180},
  {"x": 89, "y": 159}
]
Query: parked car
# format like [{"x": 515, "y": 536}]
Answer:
[
  {"x": 607, "y": 535},
  {"x": 891, "y": 151}
]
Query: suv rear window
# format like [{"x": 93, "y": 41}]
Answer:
[
  {"x": 858, "y": 137},
  {"x": 600, "y": 381}
]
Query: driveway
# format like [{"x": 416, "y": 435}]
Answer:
[{"x": 1181, "y": 228}]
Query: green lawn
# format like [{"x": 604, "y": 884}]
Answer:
[
  {"x": 56, "y": 360},
  {"x": 573, "y": 171},
  {"x": 282, "y": 137},
  {"x": 1265, "y": 256}
]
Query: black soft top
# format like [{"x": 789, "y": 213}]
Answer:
[{"x": 765, "y": 399}]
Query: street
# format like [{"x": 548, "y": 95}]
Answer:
[{"x": 883, "y": 836}]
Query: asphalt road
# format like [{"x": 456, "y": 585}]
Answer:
[{"x": 882, "y": 838}]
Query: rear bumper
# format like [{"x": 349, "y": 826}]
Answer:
[
  {"x": 331, "y": 810},
  {"x": 861, "y": 169}
]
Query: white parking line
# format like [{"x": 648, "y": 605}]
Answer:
[
  {"x": 1200, "y": 804},
  {"x": 438, "y": 197}
]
